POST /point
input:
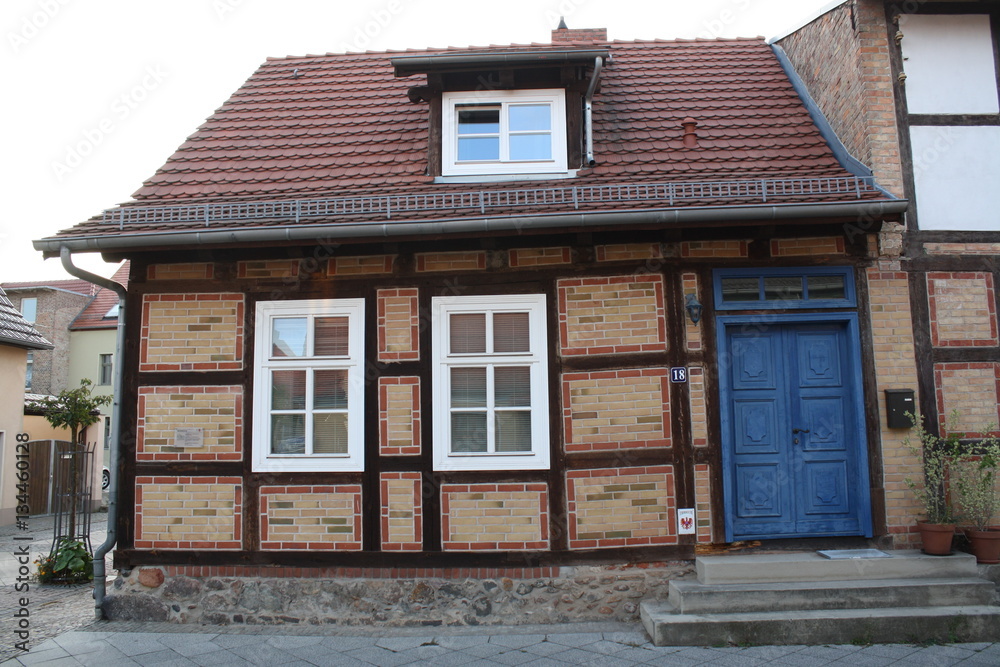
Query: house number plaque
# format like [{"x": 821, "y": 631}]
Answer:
[{"x": 189, "y": 437}]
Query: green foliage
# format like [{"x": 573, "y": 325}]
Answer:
[
  {"x": 937, "y": 454},
  {"x": 974, "y": 480},
  {"x": 69, "y": 563},
  {"x": 74, "y": 409}
]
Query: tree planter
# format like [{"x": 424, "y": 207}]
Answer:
[
  {"x": 936, "y": 538},
  {"x": 985, "y": 545}
]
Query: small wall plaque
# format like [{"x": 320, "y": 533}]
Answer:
[
  {"x": 679, "y": 374},
  {"x": 685, "y": 521},
  {"x": 189, "y": 437}
]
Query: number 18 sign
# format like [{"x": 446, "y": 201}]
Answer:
[{"x": 678, "y": 374}]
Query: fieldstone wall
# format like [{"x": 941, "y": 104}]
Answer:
[{"x": 587, "y": 593}]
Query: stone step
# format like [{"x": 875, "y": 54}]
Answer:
[
  {"x": 831, "y": 626},
  {"x": 692, "y": 597},
  {"x": 810, "y": 566}
]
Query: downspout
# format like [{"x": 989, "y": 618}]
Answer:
[
  {"x": 588, "y": 112},
  {"x": 100, "y": 584}
]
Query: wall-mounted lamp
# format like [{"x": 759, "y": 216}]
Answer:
[{"x": 693, "y": 308}]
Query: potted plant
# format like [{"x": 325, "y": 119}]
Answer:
[
  {"x": 936, "y": 454},
  {"x": 974, "y": 480}
]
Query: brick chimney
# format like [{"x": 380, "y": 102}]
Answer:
[{"x": 563, "y": 35}]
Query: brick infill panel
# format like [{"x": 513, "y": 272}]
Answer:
[
  {"x": 830, "y": 245},
  {"x": 163, "y": 502},
  {"x": 398, "y": 324},
  {"x": 191, "y": 332},
  {"x": 962, "y": 248},
  {"x": 310, "y": 518},
  {"x": 962, "y": 309},
  {"x": 402, "y": 511},
  {"x": 713, "y": 249},
  {"x": 520, "y": 258},
  {"x": 621, "y": 507},
  {"x": 272, "y": 572},
  {"x": 360, "y": 266},
  {"x": 494, "y": 517},
  {"x": 621, "y": 252},
  {"x": 189, "y": 271},
  {"x": 612, "y": 315},
  {"x": 973, "y": 389},
  {"x": 451, "y": 261},
  {"x": 399, "y": 416},
  {"x": 621, "y": 409},
  {"x": 270, "y": 268},
  {"x": 217, "y": 410}
]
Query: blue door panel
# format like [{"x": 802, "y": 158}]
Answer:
[{"x": 793, "y": 441}]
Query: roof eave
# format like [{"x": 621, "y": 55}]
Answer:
[
  {"x": 356, "y": 231},
  {"x": 26, "y": 344}
]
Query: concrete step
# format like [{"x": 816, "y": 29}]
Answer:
[
  {"x": 692, "y": 597},
  {"x": 832, "y": 626},
  {"x": 770, "y": 568}
]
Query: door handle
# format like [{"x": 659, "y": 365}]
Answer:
[{"x": 800, "y": 430}]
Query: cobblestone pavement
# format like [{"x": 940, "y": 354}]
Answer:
[
  {"x": 608, "y": 645},
  {"x": 52, "y": 609}
]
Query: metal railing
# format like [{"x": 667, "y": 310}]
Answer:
[{"x": 761, "y": 191}]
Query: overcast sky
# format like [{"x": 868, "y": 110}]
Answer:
[{"x": 99, "y": 93}]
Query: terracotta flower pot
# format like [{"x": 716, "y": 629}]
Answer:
[
  {"x": 985, "y": 545},
  {"x": 936, "y": 538}
]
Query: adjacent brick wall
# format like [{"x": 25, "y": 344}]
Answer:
[
  {"x": 398, "y": 325},
  {"x": 490, "y": 517},
  {"x": 399, "y": 416},
  {"x": 843, "y": 58},
  {"x": 895, "y": 368},
  {"x": 620, "y": 409},
  {"x": 970, "y": 388},
  {"x": 451, "y": 261},
  {"x": 621, "y": 507},
  {"x": 402, "y": 511},
  {"x": 189, "y": 271},
  {"x": 613, "y": 315},
  {"x": 313, "y": 518},
  {"x": 360, "y": 266},
  {"x": 831, "y": 245},
  {"x": 217, "y": 411},
  {"x": 529, "y": 257},
  {"x": 191, "y": 332},
  {"x": 188, "y": 512},
  {"x": 963, "y": 309}
]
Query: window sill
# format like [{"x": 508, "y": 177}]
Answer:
[{"x": 504, "y": 178}]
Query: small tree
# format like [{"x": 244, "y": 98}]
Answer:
[{"x": 75, "y": 409}]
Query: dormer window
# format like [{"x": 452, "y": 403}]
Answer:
[{"x": 504, "y": 132}]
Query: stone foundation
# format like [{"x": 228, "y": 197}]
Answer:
[{"x": 575, "y": 594}]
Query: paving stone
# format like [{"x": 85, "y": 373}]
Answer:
[
  {"x": 319, "y": 655},
  {"x": 574, "y": 639},
  {"x": 378, "y": 656},
  {"x": 514, "y": 657},
  {"x": 544, "y": 648},
  {"x": 220, "y": 658},
  {"x": 516, "y": 641},
  {"x": 343, "y": 644},
  {"x": 458, "y": 642},
  {"x": 52, "y": 651},
  {"x": 402, "y": 643},
  {"x": 286, "y": 643},
  {"x": 628, "y": 638},
  {"x": 136, "y": 644}
]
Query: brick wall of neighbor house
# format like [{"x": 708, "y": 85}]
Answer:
[
  {"x": 843, "y": 58},
  {"x": 55, "y": 310},
  {"x": 632, "y": 447}
]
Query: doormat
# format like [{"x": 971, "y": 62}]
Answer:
[{"x": 839, "y": 554}]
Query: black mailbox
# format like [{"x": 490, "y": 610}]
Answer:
[{"x": 898, "y": 402}]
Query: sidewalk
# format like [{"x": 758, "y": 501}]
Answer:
[{"x": 63, "y": 632}]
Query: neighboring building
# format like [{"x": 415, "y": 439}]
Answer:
[
  {"x": 17, "y": 339},
  {"x": 50, "y": 307},
  {"x": 912, "y": 88},
  {"x": 391, "y": 311}
]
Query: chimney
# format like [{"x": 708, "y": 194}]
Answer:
[
  {"x": 690, "y": 138},
  {"x": 563, "y": 35}
]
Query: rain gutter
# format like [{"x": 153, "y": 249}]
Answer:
[
  {"x": 100, "y": 583},
  {"x": 588, "y": 112},
  {"x": 116, "y": 240}
]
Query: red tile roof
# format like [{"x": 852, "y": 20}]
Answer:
[
  {"x": 93, "y": 315},
  {"x": 341, "y": 125},
  {"x": 75, "y": 285}
]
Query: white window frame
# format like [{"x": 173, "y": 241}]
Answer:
[
  {"x": 443, "y": 361},
  {"x": 554, "y": 97},
  {"x": 267, "y": 312}
]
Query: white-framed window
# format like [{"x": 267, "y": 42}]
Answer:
[
  {"x": 308, "y": 408},
  {"x": 490, "y": 382},
  {"x": 503, "y": 132},
  {"x": 29, "y": 309}
]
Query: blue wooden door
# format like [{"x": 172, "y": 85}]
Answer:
[{"x": 792, "y": 434}]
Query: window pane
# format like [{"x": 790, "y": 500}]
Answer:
[
  {"x": 468, "y": 333},
  {"x": 478, "y": 148},
  {"x": 330, "y": 434},
  {"x": 29, "y": 309},
  {"x": 528, "y": 117},
  {"x": 740, "y": 289},
  {"x": 288, "y": 390},
  {"x": 783, "y": 288},
  {"x": 478, "y": 120},
  {"x": 826, "y": 287},
  {"x": 288, "y": 434},
  {"x": 513, "y": 431},
  {"x": 468, "y": 387},
  {"x": 510, "y": 332},
  {"x": 530, "y": 147},
  {"x": 512, "y": 386},
  {"x": 468, "y": 432},
  {"x": 331, "y": 336},
  {"x": 288, "y": 337},
  {"x": 330, "y": 390}
]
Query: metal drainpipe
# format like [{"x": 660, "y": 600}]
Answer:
[
  {"x": 100, "y": 584},
  {"x": 588, "y": 111}
]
